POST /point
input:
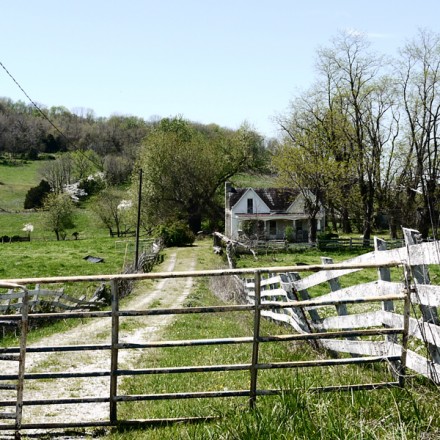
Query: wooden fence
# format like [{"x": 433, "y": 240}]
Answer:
[
  {"x": 331, "y": 320},
  {"x": 354, "y": 243},
  {"x": 316, "y": 316},
  {"x": 44, "y": 300}
]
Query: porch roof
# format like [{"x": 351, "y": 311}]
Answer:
[{"x": 270, "y": 216}]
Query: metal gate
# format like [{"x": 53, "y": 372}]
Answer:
[{"x": 17, "y": 355}]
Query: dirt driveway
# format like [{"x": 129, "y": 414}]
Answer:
[{"x": 160, "y": 293}]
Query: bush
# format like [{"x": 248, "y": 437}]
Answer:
[
  {"x": 91, "y": 186},
  {"x": 289, "y": 233},
  {"x": 327, "y": 236},
  {"x": 35, "y": 196},
  {"x": 175, "y": 234},
  {"x": 323, "y": 238}
]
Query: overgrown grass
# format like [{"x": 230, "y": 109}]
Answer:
[
  {"x": 59, "y": 258},
  {"x": 297, "y": 414}
]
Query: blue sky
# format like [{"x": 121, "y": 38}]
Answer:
[{"x": 225, "y": 61}]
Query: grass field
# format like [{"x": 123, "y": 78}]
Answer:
[{"x": 15, "y": 182}]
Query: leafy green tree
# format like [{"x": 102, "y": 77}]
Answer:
[
  {"x": 59, "y": 213},
  {"x": 348, "y": 120},
  {"x": 303, "y": 162},
  {"x": 185, "y": 167}
]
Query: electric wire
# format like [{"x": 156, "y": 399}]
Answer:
[{"x": 44, "y": 115}]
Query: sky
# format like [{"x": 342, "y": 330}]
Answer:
[{"x": 210, "y": 61}]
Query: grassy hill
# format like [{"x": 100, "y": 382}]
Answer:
[
  {"x": 16, "y": 178},
  {"x": 43, "y": 255}
]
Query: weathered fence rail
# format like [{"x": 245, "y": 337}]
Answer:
[
  {"x": 44, "y": 299},
  {"x": 423, "y": 326},
  {"x": 354, "y": 243}
]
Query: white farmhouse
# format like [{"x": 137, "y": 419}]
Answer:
[{"x": 267, "y": 211}]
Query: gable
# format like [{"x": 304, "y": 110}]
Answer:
[
  {"x": 266, "y": 200},
  {"x": 240, "y": 202}
]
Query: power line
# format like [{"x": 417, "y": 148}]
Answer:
[
  {"x": 42, "y": 113},
  {"x": 34, "y": 103}
]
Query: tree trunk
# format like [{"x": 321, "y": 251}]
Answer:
[
  {"x": 346, "y": 224},
  {"x": 313, "y": 230},
  {"x": 195, "y": 222}
]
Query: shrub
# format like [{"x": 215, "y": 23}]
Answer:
[
  {"x": 35, "y": 196},
  {"x": 91, "y": 186},
  {"x": 325, "y": 237},
  {"x": 175, "y": 234},
  {"x": 289, "y": 233}
]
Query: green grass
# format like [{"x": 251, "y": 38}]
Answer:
[
  {"x": 15, "y": 181},
  {"x": 254, "y": 181},
  {"x": 296, "y": 414},
  {"x": 59, "y": 258}
]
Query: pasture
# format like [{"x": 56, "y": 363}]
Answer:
[{"x": 408, "y": 413}]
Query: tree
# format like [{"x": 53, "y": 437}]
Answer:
[
  {"x": 58, "y": 173},
  {"x": 59, "y": 214},
  {"x": 357, "y": 87},
  {"x": 419, "y": 79},
  {"x": 317, "y": 127},
  {"x": 36, "y": 195},
  {"x": 305, "y": 161},
  {"x": 185, "y": 168},
  {"x": 117, "y": 169},
  {"x": 113, "y": 210}
]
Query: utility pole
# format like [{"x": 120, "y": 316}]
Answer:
[{"x": 136, "y": 262}]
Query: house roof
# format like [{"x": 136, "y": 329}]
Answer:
[{"x": 276, "y": 199}]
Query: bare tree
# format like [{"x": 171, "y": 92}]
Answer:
[{"x": 419, "y": 75}]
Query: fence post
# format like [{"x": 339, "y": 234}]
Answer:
[
  {"x": 405, "y": 334},
  {"x": 114, "y": 352},
  {"x": 334, "y": 286},
  {"x": 384, "y": 274},
  {"x": 256, "y": 340},
  {"x": 22, "y": 359}
]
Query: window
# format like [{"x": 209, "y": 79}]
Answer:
[
  {"x": 272, "y": 228},
  {"x": 250, "y": 206}
]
